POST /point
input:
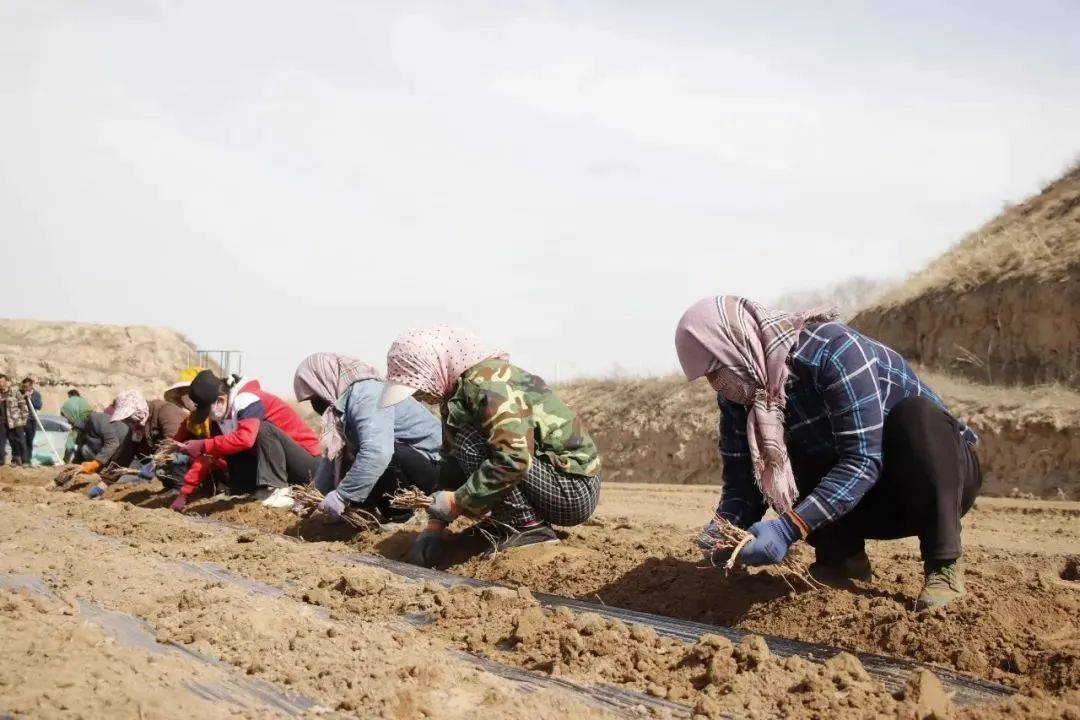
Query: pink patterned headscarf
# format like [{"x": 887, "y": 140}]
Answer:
[
  {"x": 747, "y": 346},
  {"x": 327, "y": 376},
  {"x": 129, "y": 405},
  {"x": 432, "y": 359}
]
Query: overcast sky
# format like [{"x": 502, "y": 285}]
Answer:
[{"x": 562, "y": 178}]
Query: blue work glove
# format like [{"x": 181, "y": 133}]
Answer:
[
  {"x": 772, "y": 538},
  {"x": 333, "y": 504},
  {"x": 146, "y": 470},
  {"x": 97, "y": 491},
  {"x": 181, "y": 461}
]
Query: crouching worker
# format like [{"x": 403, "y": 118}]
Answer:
[
  {"x": 837, "y": 434},
  {"x": 370, "y": 451},
  {"x": 512, "y": 450},
  {"x": 255, "y": 435},
  {"x": 95, "y": 440},
  {"x": 148, "y": 424}
]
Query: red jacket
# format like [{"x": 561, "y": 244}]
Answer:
[{"x": 249, "y": 407}]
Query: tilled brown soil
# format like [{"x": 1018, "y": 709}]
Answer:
[{"x": 1018, "y": 625}]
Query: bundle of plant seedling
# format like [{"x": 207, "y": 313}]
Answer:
[
  {"x": 164, "y": 454},
  {"x": 729, "y": 538},
  {"x": 306, "y": 499},
  {"x": 410, "y": 499},
  {"x": 67, "y": 475}
]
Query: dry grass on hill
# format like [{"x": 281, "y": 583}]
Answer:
[{"x": 1039, "y": 238}]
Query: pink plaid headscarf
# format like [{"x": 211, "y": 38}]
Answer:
[
  {"x": 748, "y": 346},
  {"x": 327, "y": 376},
  {"x": 129, "y": 404},
  {"x": 432, "y": 359}
]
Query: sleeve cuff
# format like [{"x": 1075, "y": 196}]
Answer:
[
  {"x": 464, "y": 501},
  {"x": 812, "y": 514}
]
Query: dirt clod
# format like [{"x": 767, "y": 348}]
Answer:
[
  {"x": 930, "y": 699},
  {"x": 751, "y": 652}
]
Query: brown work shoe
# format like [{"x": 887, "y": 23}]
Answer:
[
  {"x": 944, "y": 582},
  {"x": 855, "y": 567}
]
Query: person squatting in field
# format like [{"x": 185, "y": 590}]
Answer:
[
  {"x": 95, "y": 439},
  {"x": 837, "y": 434},
  {"x": 255, "y": 435},
  {"x": 512, "y": 450},
  {"x": 369, "y": 451},
  {"x": 148, "y": 424}
]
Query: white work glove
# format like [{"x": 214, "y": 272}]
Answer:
[{"x": 443, "y": 507}]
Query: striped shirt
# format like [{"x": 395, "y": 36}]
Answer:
[{"x": 841, "y": 388}]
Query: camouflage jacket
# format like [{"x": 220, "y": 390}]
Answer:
[
  {"x": 522, "y": 419},
  {"x": 15, "y": 411}
]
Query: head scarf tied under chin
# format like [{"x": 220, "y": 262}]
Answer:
[
  {"x": 748, "y": 346},
  {"x": 327, "y": 376},
  {"x": 129, "y": 405}
]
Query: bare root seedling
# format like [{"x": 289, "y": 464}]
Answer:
[
  {"x": 66, "y": 476},
  {"x": 166, "y": 452},
  {"x": 114, "y": 472},
  {"x": 306, "y": 499},
  {"x": 411, "y": 499},
  {"x": 731, "y": 537},
  {"x": 415, "y": 499}
]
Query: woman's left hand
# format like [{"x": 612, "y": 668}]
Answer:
[
  {"x": 772, "y": 538},
  {"x": 333, "y": 504}
]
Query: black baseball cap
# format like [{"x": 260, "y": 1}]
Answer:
[{"x": 203, "y": 391}]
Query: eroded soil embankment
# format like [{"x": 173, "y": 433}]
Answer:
[
  {"x": 664, "y": 431},
  {"x": 1017, "y": 331},
  {"x": 331, "y": 631}
]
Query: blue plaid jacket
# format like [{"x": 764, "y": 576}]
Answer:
[{"x": 841, "y": 388}]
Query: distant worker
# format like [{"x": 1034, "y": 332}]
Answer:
[
  {"x": 837, "y": 434},
  {"x": 256, "y": 436},
  {"x": 370, "y": 452},
  {"x": 73, "y": 393},
  {"x": 33, "y": 406},
  {"x": 95, "y": 440},
  {"x": 512, "y": 450},
  {"x": 13, "y": 419}
]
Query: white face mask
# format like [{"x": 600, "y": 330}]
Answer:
[{"x": 218, "y": 410}]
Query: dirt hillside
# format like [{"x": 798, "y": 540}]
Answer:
[
  {"x": 1003, "y": 305},
  {"x": 665, "y": 430},
  {"x": 99, "y": 360}
]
